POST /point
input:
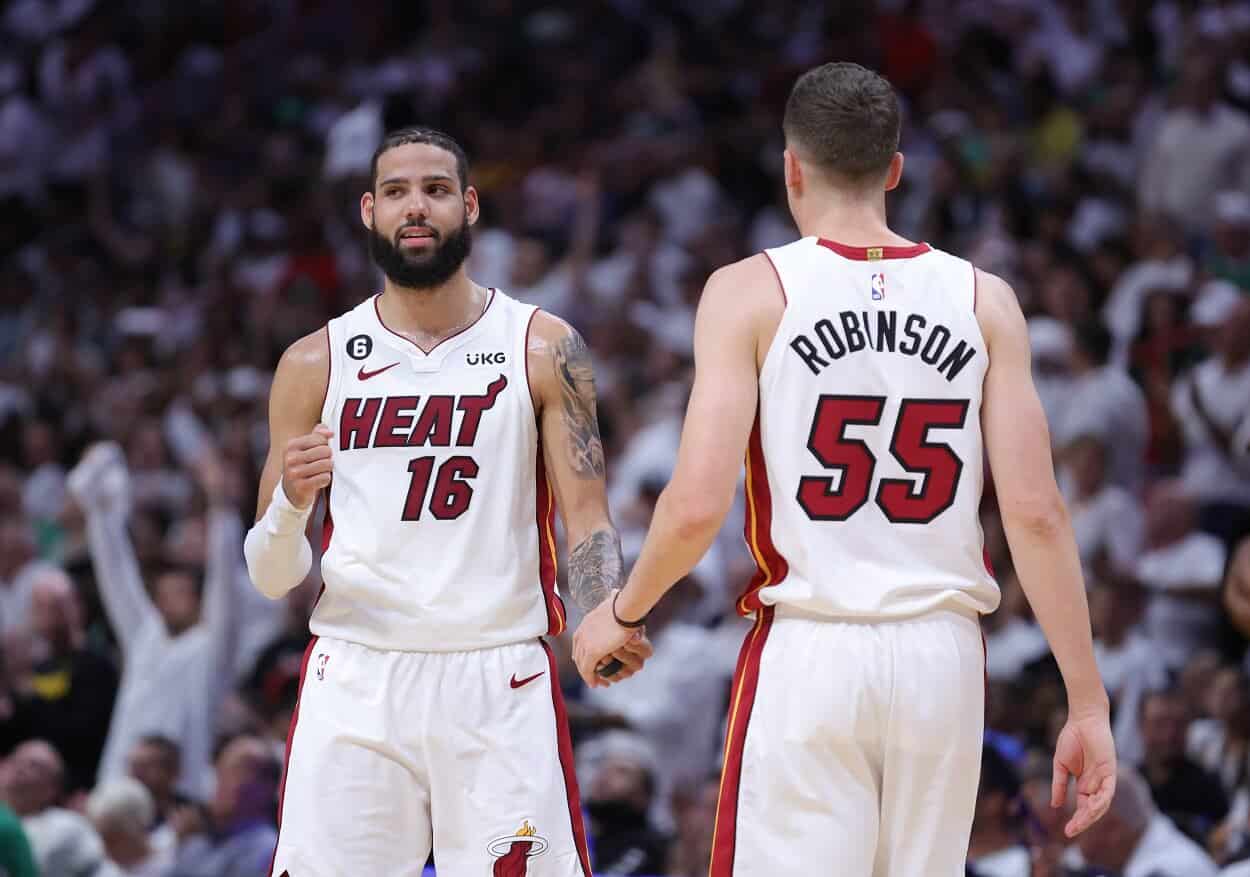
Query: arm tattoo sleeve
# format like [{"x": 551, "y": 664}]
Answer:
[
  {"x": 577, "y": 390},
  {"x": 595, "y": 568}
]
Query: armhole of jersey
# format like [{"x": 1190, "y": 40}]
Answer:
[
  {"x": 785, "y": 307},
  {"x": 330, "y": 401},
  {"x": 976, "y": 322},
  {"x": 785, "y": 299},
  {"x": 525, "y": 358}
]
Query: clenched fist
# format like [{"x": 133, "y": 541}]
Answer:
[{"x": 307, "y": 467}]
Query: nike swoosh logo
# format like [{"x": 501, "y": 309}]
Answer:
[
  {"x": 517, "y": 683},
  {"x": 364, "y": 375}
]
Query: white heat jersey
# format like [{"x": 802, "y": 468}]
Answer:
[
  {"x": 441, "y": 517},
  {"x": 864, "y": 470}
]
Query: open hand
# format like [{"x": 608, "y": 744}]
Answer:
[{"x": 1086, "y": 751}]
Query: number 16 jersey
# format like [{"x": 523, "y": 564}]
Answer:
[
  {"x": 441, "y": 532},
  {"x": 864, "y": 469}
]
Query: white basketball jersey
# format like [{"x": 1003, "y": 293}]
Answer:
[
  {"x": 864, "y": 470},
  {"x": 441, "y": 535}
]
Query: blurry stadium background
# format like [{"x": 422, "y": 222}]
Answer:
[{"x": 179, "y": 188}]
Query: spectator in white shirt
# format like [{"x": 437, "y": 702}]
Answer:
[
  {"x": 1181, "y": 569},
  {"x": 1013, "y": 639},
  {"x": 1212, "y": 404},
  {"x": 1107, "y": 403},
  {"x": 1135, "y": 840},
  {"x": 1200, "y": 148},
  {"x": 1106, "y": 518},
  {"x": 1127, "y": 660},
  {"x": 177, "y": 660}
]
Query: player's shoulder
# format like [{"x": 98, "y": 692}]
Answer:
[
  {"x": 993, "y": 289},
  {"x": 310, "y": 350},
  {"x": 997, "y": 308},
  {"x": 553, "y": 350},
  {"x": 749, "y": 287},
  {"x": 547, "y": 329},
  {"x": 307, "y": 354}
]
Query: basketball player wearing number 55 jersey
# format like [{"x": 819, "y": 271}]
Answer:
[
  {"x": 862, "y": 375},
  {"x": 445, "y": 420}
]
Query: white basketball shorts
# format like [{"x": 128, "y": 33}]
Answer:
[
  {"x": 853, "y": 748},
  {"x": 394, "y": 753}
]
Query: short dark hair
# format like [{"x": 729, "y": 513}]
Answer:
[
  {"x": 845, "y": 118},
  {"x": 1093, "y": 339},
  {"x": 1172, "y": 693},
  {"x": 417, "y": 134},
  {"x": 169, "y": 748}
]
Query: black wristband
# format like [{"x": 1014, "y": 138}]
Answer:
[{"x": 629, "y": 624}]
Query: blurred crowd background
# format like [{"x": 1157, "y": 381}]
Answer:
[{"x": 179, "y": 189}]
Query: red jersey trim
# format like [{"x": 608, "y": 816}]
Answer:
[
  {"x": 874, "y": 254},
  {"x": 490, "y": 301},
  {"x": 325, "y": 397},
  {"x": 548, "y": 562},
  {"x": 772, "y": 567}
]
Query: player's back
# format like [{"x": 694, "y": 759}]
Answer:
[
  {"x": 864, "y": 471},
  {"x": 442, "y": 517}
]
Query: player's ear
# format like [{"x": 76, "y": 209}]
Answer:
[
  {"x": 472, "y": 207},
  {"x": 793, "y": 172},
  {"x": 366, "y": 210},
  {"x": 895, "y": 173}
]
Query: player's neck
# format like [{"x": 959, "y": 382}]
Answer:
[
  {"x": 432, "y": 313},
  {"x": 854, "y": 221}
]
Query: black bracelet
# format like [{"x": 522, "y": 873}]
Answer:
[{"x": 629, "y": 624}]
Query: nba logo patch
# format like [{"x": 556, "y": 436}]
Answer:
[
  {"x": 322, "y": 660},
  {"x": 878, "y": 287}
]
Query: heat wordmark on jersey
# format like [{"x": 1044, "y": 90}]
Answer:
[{"x": 388, "y": 421}]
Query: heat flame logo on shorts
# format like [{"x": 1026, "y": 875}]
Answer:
[{"x": 513, "y": 852}]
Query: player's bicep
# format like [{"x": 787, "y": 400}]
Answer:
[
  {"x": 723, "y": 400},
  {"x": 1017, "y": 438},
  {"x": 569, "y": 425}
]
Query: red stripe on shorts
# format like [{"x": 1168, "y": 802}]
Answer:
[
  {"x": 746, "y": 681},
  {"x": 290, "y": 739},
  {"x": 565, "y": 744}
]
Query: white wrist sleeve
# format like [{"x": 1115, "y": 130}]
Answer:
[{"x": 277, "y": 551}]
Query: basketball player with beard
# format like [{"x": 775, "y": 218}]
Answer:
[{"x": 445, "y": 423}]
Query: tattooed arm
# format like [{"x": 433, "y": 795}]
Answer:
[{"x": 563, "y": 383}]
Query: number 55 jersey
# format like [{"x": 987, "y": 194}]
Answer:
[
  {"x": 864, "y": 470},
  {"x": 441, "y": 518}
]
